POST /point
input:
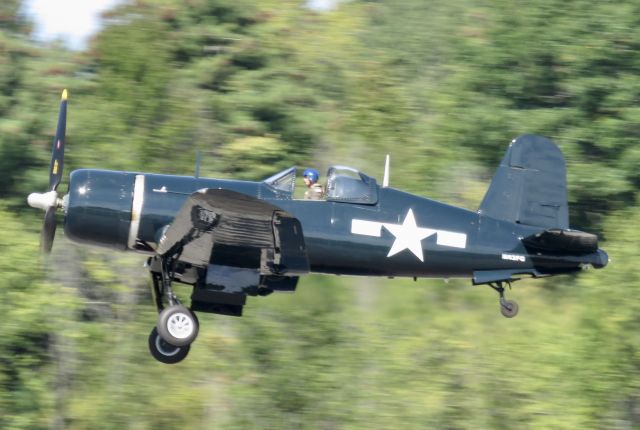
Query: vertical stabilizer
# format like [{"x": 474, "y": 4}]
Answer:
[{"x": 530, "y": 185}]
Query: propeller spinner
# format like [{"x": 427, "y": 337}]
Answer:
[{"x": 49, "y": 201}]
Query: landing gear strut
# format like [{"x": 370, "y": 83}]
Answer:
[
  {"x": 508, "y": 308},
  {"x": 177, "y": 326}
]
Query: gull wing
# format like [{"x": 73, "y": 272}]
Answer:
[{"x": 228, "y": 228}]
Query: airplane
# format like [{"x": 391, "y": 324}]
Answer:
[{"x": 230, "y": 239}]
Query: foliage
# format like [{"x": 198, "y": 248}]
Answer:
[{"x": 258, "y": 86}]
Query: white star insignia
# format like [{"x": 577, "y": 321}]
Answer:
[{"x": 408, "y": 236}]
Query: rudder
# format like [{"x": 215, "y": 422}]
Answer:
[{"x": 530, "y": 185}]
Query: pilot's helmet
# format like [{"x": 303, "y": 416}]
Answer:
[{"x": 312, "y": 174}]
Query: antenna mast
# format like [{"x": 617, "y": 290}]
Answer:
[{"x": 385, "y": 179}]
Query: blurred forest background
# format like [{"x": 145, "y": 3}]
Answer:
[{"x": 443, "y": 86}]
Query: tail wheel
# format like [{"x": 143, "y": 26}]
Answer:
[
  {"x": 177, "y": 325},
  {"x": 164, "y": 352},
  {"x": 509, "y": 308}
]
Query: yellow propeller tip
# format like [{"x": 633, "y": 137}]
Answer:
[{"x": 64, "y": 94}]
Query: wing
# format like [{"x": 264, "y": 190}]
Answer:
[{"x": 227, "y": 228}]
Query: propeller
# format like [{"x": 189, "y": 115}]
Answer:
[{"x": 49, "y": 201}]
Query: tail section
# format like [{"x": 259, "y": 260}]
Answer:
[
  {"x": 530, "y": 185},
  {"x": 577, "y": 244},
  {"x": 556, "y": 240}
]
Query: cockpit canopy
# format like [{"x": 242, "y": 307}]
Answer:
[
  {"x": 344, "y": 184},
  {"x": 283, "y": 182}
]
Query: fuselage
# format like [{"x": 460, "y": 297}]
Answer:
[{"x": 399, "y": 235}]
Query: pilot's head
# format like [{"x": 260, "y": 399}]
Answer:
[{"x": 310, "y": 176}]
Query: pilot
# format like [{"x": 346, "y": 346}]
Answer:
[{"x": 315, "y": 190}]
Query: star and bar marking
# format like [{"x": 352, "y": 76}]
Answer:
[{"x": 408, "y": 235}]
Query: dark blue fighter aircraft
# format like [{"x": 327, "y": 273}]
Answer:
[{"x": 232, "y": 239}]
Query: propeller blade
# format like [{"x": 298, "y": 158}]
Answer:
[
  {"x": 48, "y": 230},
  {"x": 57, "y": 153},
  {"x": 49, "y": 201}
]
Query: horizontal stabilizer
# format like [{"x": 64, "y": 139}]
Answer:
[
  {"x": 562, "y": 241},
  {"x": 529, "y": 186}
]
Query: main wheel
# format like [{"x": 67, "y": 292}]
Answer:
[
  {"x": 163, "y": 351},
  {"x": 509, "y": 308},
  {"x": 177, "y": 325}
]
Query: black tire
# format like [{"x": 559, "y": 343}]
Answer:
[
  {"x": 177, "y": 325},
  {"x": 164, "y": 352},
  {"x": 509, "y": 308}
]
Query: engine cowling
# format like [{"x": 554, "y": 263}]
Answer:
[{"x": 99, "y": 206}]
